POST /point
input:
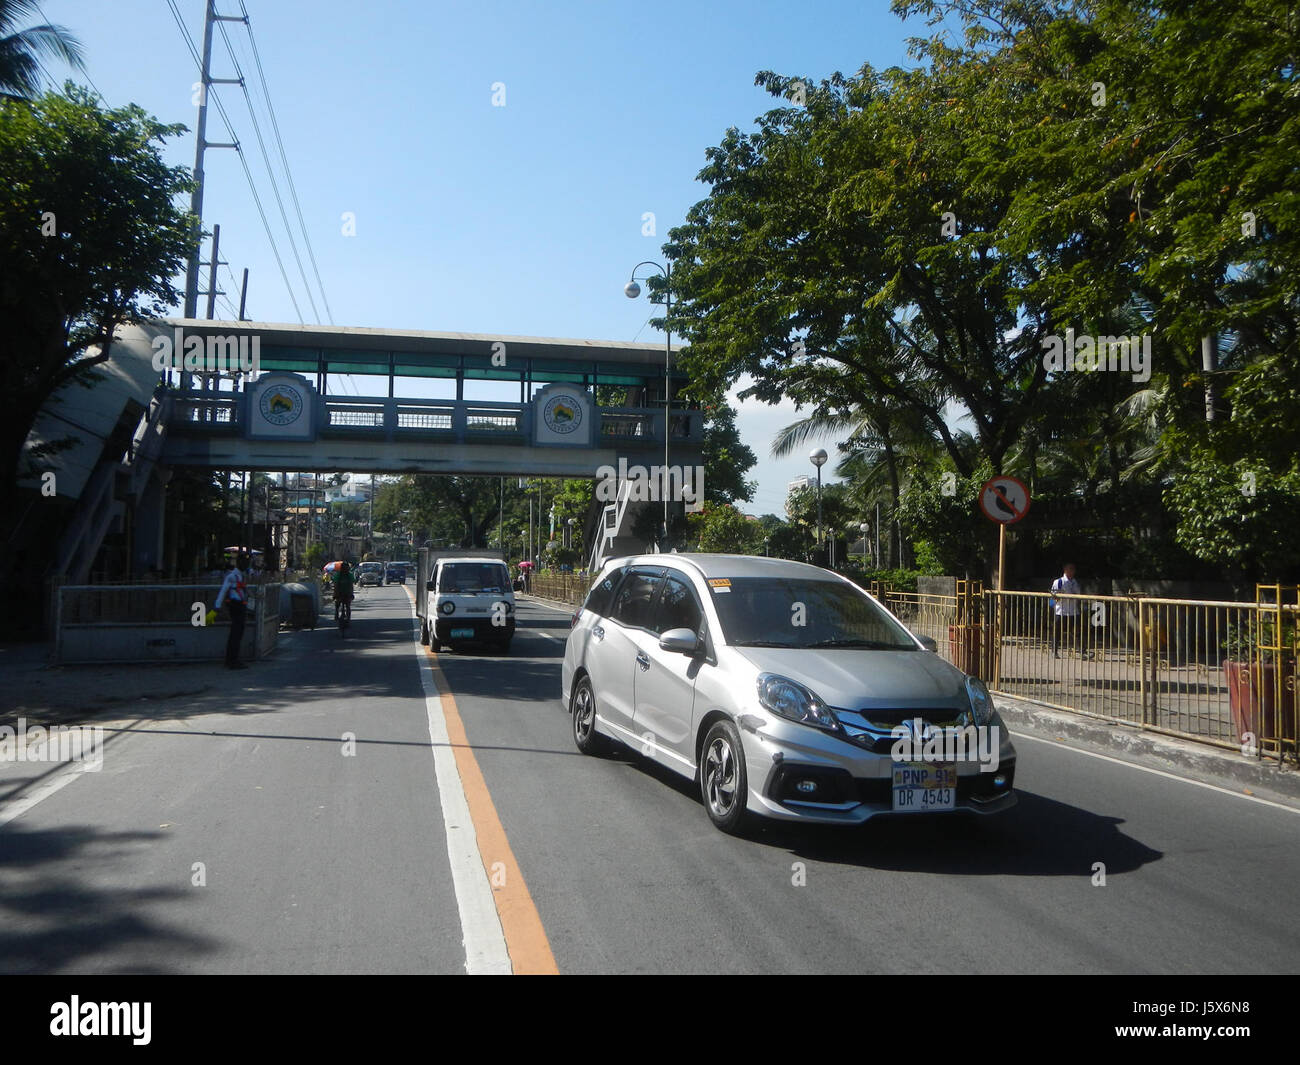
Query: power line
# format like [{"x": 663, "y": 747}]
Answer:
[
  {"x": 270, "y": 173},
  {"x": 293, "y": 190},
  {"x": 248, "y": 174},
  {"x": 57, "y": 87}
]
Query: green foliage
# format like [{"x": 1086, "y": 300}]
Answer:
[
  {"x": 314, "y": 557},
  {"x": 942, "y": 509},
  {"x": 723, "y": 529},
  {"x": 929, "y": 562},
  {"x": 1242, "y": 516},
  {"x": 91, "y": 236},
  {"x": 898, "y": 244},
  {"x": 21, "y": 49},
  {"x": 724, "y": 457}
]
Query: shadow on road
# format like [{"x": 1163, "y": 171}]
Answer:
[
  {"x": 1036, "y": 837},
  {"x": 51, "y": 920}
]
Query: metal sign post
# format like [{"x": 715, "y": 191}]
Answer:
[{"x": 1004, "y": 500}]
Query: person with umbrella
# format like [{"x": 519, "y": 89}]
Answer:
[{"x": 344, "y": 587}]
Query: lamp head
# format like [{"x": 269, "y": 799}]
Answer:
[
  {"x": 631, "y": 290},
  {"x": 818, "y": 456}
]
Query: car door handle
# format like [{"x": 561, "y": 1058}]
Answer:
[
  {"x": 598, "y": 632},
  {"x": 643, "y": 660}
]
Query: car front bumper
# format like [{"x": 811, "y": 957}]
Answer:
[
  {"x": 852, "y": 784},
  {"x": 483, "y": 629}
]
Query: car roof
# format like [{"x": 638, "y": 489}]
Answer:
[{"x": 714, "y": 565}]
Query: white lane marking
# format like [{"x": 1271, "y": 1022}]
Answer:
[
  {"x": 17, "y": 807},
  {"x": 485, "y": 942},
  {"x": 1158, "y": 772}
]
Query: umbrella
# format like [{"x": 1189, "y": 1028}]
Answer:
[
  {"x": 330, "y": 567},
  {"x": 525, "y": 565}
]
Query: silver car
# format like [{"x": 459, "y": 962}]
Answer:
[{"x": 785, "y": 690}]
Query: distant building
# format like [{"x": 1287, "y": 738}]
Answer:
[{"x": 800, "y": 482}]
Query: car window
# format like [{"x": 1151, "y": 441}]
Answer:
[
  {"x": 601, "y": 596},
  {"x": 677, "y": 609},
  {"x": 798, "y": 612},
  {"x": 635, "y": 599}
]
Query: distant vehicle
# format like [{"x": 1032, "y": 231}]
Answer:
[
  {"x": 395, "y": 573},
  {"x": 370, "y": 573},
  {"x": 465, "y": 598},
  {"x": 783, "y": 690}
]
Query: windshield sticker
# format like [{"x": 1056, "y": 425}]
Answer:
[{"x": 719, "y": 584}]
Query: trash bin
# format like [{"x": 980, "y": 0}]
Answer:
[{"x": 298, "y": 604}]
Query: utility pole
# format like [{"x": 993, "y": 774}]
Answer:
[
  {"x": 201, "y": 144},
  {"x": 212, "y": 271},
  {"x": 243, "y": 296}
]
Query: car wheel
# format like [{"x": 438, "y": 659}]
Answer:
[
  {"x": 582, "y": 709},
  {"x": 723, "y": 783}
]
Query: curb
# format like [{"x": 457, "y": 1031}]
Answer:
[{"x": 1122, "y": 739}]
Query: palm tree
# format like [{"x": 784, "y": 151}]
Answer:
[{"x": 20, "y": 49}]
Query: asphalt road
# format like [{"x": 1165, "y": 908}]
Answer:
[{"x": 320, "y": 860}]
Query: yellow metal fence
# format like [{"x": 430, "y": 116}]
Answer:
[{"x": 1222, "y": 672}]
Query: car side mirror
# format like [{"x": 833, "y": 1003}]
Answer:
[
  {"x": 928, "y": 642},
  {"x": 682, "y": 641},
  {"x": 428, "y": 586}
]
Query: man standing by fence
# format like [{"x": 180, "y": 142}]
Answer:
[
  {"x": 234, "y": 593},
  {"x": 1065, "y": 613}
]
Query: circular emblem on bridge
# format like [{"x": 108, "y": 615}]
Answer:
[
  {"x": 562, "y": 414},
  {"x": 281, "y": 405}
]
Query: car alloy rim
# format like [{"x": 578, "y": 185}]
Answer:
[
  {"x": 720, "y": 776},
  {"x": 583, "y": 713}
]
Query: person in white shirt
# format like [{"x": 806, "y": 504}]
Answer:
[
  {"x": 1065, "y": 613},
  {"x": 234, "y": 593}
]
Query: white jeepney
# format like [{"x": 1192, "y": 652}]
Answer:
[{"x": 465, "y": 597}]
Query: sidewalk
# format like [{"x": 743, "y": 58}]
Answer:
[
  {"x": 1200, "y": 761},
  {"x": 45, "y": 694}
]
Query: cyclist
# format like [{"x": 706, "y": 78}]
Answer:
[{"x": 343, "y": 588}]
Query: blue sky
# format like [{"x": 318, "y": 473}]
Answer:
[{"x": 524, "y": 219}]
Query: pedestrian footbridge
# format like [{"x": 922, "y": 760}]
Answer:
[
  {"x": 271, "y": 397},
  {"x": 450, "y": 403}
]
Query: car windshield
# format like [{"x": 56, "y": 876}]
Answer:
[
  {"x": 798, "y": 612},
  {"x": 473, "y": 577}
]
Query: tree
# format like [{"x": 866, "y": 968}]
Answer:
[
  {"x": 722, "y": 529},
  {"x": 90, "y": 235},
  {"x": 726, "y": 459},
  {"x": 20, "y": 50}
]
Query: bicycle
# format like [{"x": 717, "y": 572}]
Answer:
[{"x": 343, "y": 614}]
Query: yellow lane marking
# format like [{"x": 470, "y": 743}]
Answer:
[{"x": 530, "y": 950}]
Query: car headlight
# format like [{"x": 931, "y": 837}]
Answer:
[
  {"x": 790, "y": 699},
  {"x": 981, "y": 702}
]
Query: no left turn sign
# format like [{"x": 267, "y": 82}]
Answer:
[{"x": 1004, "y": 500}]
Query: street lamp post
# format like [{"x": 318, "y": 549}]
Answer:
[
  {"x": 632, "y": 290},
  {"x": 818, "y": 458},
  {"x": 864, "y": 527}
]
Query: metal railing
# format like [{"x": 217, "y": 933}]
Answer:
[
  {"x": 570, "y": 588},
  {"x": 392, "y": 417},
  {"x": 1216, "y": 671}
]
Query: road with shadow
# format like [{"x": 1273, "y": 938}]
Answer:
[{"x": 286, "y": 818}]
